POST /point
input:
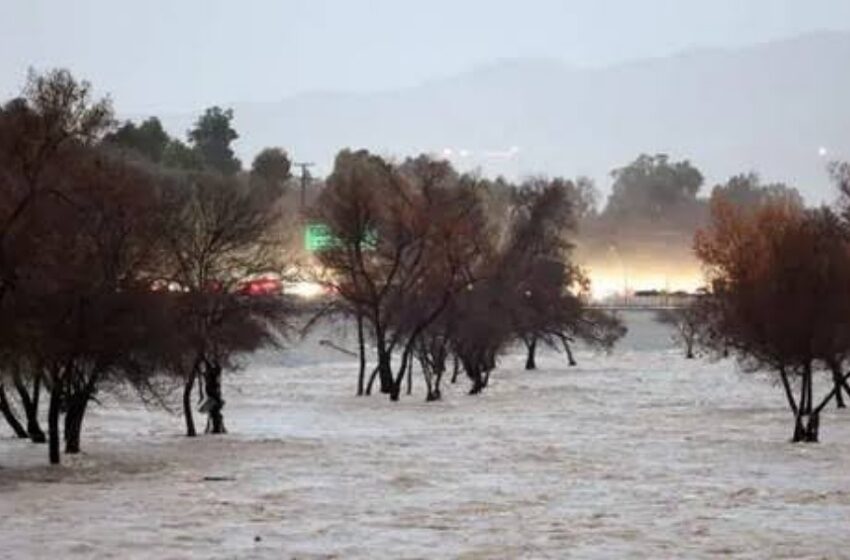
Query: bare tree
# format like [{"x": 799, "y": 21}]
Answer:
[
  {"x": 687, "y": 323},
  {"x": 403, "y": 239},
  {"x": 218, "y": 232}
]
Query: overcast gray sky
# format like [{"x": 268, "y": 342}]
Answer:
[{"x": 169, "y": 55}]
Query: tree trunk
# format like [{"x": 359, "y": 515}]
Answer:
[
  {"x": 840, "y": 384},
  {"x": 807, "y": 423},
  {"x": 530, "y": 361},
  {"x": 385, "y": 372},
  {"x": 473, "y": 371},
  {"x": 385, "y": 361},
  {"x": 212, "y": 383},
  {"x": 455, "y": 368},
  {"x": 372, "y": 379},
  {"x": 789, "y": 393},
  {"x": 395, "y": 388},
  {"x": 802, "y": 412},
  {"x": 53, "y": 423},
  {"x": 187, "y": 405},
  {"x": 74, "y": 421},
  {"x": 410, "y": 374},
  {"x": 477, "y": 383},
  {"x": 569, "y": 351},
  {"x": 807, "y": 429},
  {"x": 361, "y": 347},
  {"x": 436, "y": 393},
  {"x": 33, "y": 426},
  {"x": 30, "y": 404},
  {"x": 427, "y": 376},
  {"x": 9, "y": 415}
]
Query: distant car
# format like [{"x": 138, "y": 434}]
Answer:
[{"x": 261, "y": 287}]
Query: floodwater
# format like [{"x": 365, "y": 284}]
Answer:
[{"x": 639, "y": 454}]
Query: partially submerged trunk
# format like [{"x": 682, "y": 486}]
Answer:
[
  {"x": 9, "y": 415},
  {"x": 474, "y": 371},
  {"x": 455, "y": 368},
  {"x": 395, "y": 388},
  {"x": 53, "y": 411},
  {"x": 214, "y": 402},
  {"x": 839, "y": 383},
  {"x": 807, "y": 419},
  {"x": 30, "y": 404},
  {"x": 432, "y": 373},
  {"x": 436, "y": 393},
  {"x": 530, "y": 359},
  {"x": 372, "y": 379},
  {"x": 410, "y": 374},
  {"x": 187, "y": 405},
  {"x": 76, "y": 411},
  {"x": 385, "y": 372},
  {"x": 569, "y": 351},
  {"x": 361, "y": 348},
  {"x": 385, "y": 362}
]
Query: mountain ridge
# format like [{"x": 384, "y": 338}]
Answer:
[{"x": 768, "y": 107}]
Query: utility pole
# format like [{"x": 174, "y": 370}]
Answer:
[{"x": 305, "y": 178}]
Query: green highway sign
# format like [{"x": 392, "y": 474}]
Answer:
[{"x": 319, "y": 237}]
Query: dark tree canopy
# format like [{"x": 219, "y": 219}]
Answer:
[
  {"x": 652, "y": 186},
  {"x": 177, "y": 155},
  {"x": 65, "y": 106},
  {"x": 211, "y": 137},
  {"x": 272, "y": 166},
  {"x": 747, "y": 190},
  {"x": 148, "y": 139}
]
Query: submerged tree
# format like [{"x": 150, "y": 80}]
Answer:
[
  {"x": 402, "y": 240},
  {"x": 216, "y": 233},
  {"x": 55, "y": 115},
  {"x": 89, "y": 237},
  {"x": 550, "y": 292},
  {"x": 687, "y": 323},
  {"x": 778, "y": 297}
]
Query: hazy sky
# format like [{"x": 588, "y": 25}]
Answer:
[{"x": 170, "y": 55}]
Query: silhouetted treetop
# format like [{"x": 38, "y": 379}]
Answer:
[
  {"x": 212, "y": 136},
  {"x": 652, "y": 185},
  {"x": 746, "y": 190}
]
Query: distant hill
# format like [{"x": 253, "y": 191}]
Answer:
[{"x": 769, "y": 107}]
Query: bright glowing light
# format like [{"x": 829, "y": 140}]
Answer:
[
  {"x": 823, "y": 152},
  {"x": 307, "y": 290},
  {"x": 606, "y": 283}
]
